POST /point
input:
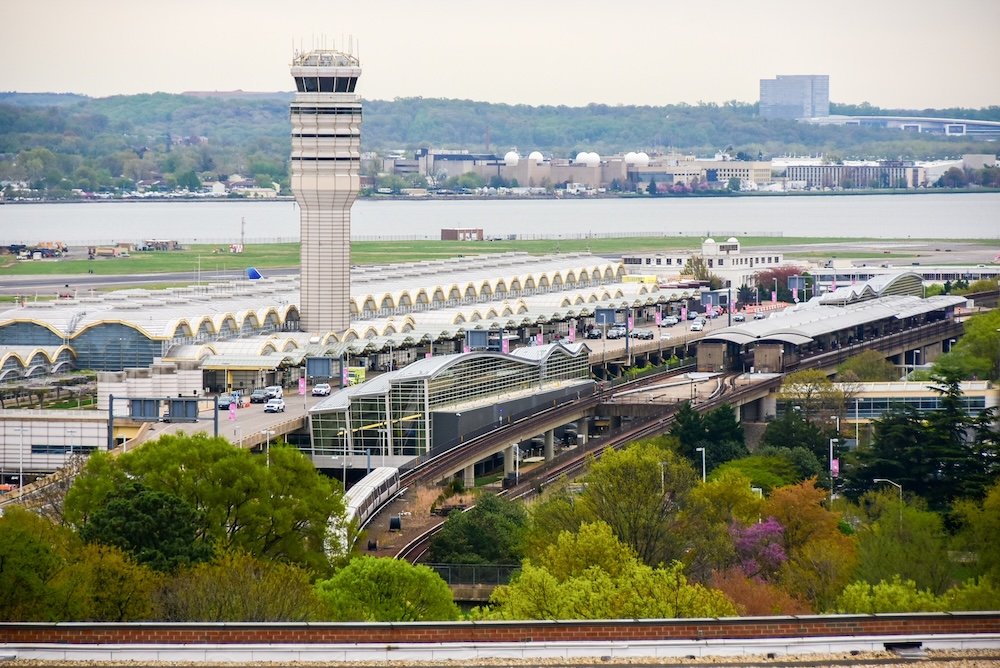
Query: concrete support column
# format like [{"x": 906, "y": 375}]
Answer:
[
  {"x": 469, "y": 475},
  {"x": 550, "y": 442},
  {"x": 508, "y": 460},
  {"x": 616, "y": 422},
  {"x": 582, "y": 434}
]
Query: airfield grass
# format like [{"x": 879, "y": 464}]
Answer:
[{"x": 211, "y": 259}]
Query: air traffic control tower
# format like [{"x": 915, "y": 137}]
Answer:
[{"x": 326, "y": 177}]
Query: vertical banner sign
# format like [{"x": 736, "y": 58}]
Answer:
[
  {"x": 302, "y": 385},
  {"x": 344, "y": 377},
  {"x": 466, "y": 349},
  {"x": 232, "y": 410},
  {"x": 659, "y": 318},
  {"x": 774, "y": 296},
  {"x": 631, "y": 323},
  {"x": 428, "y": 354},
  {"x": 572, "y": 335},
  {"x": 684, "y": 313},
  {"x": 795, "y": 294},
  {"x": 835, "y": 468},
  {"x": 538, "y": 339},
  {"x": 505, "y": 345}
]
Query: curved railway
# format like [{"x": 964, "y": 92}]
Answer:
[{"x": 574, "y": 463}]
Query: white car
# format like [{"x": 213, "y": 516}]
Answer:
[
  {"x": 274, "y": 406},
  {"x": 739, "y": 317},
  {"x": 321, "y": 390},
  {"x": 664, "y": 336},
  {"x": 697, "y": 326}
]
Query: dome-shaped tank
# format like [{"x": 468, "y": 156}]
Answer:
[
  {"x": 536, "y": 157},
  {"x": 642, "y": 159},
  {"x": 581, "y": 157},
  {"x": 732, "y": 240},
  {"x": 511, "y": 159},
  {"x": 593, "y": 160},
  {"x": 630, "y": 157}
]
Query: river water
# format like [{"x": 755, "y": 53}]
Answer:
[{"x": 930, "y": 215}]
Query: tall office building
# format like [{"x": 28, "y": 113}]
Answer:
[
  {"x": 326, "y": 177},
  {"x": 795, "y": 96}
]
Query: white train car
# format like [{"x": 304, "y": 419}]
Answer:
[{"x": 369, "y": 493}]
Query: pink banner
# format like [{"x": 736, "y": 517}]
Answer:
[
  {"x": 659, "y": 318},
  {"x": 835, "y": 468},
  {"x": 774, "y": 296},
  {"x": 344, "y": 377},
  {"x": 684, "y": 313},
  {"x": 572, "y": 335},
  {"x": 505, "y": 345},
  {"x": 538, "y": 339},
  {"x": 232, "y": 411},
  {"x": 631, "y": 323},
  {"x": 795, "y": 294},
  {"x": 466, "y": 349},
  {"x": 302, "y": 385},
  {"x": 428, "y": 354}
]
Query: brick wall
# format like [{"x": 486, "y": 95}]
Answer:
[{"x": 480, "y": 632}]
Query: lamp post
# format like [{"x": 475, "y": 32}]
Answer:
[
  {"x": 702, "y": 451},
  {"x": 916, "y": 353},
  {"x": 775, "y": 298},
  {"x": 831, "y": 471},
  {"x": 238, "y": 432},
  {"x": 900, "y": 488},
  {"x": 20, "y": 467},
  {"x": 70, "y": 433},
  {"x": 268, "y": 433}
]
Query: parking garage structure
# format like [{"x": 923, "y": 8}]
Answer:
[{"x": 420, "y": 409}]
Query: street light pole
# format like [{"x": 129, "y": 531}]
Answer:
[
  {"x": 20, "y": 467},
  {"x": 239, "y": 430},
  {"x": 900, "y": 488},
  {"x": 267, "y": 434},
  {"x": 702, "y": 451}
]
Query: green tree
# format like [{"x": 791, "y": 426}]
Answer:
[
  {"x": 33, "y": 553},
  {"x": 278, "y": 511},
  {"x": 895, "y": 595},
  {"x": 157, "y": 529},
  {"x": 639, "y": 492},
  {"x": 370, "y": 589},
  {"x": 110, "y": 586},
  {"x": 793, "y": 430},
  {"x": 979, "y": 532},
  {"x": 977, "y": 353},
  {"x": 490, "y": 533},
  {"x": 916, "y": 549},
  {"x": 237, "y": 587},
  {"x": 869, "y": 367},
  {"x": 592, "y": 575}
]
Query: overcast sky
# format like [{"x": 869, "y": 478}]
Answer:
[{"x": 914, "y": 54}]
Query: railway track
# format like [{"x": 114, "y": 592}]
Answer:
[{"x": 574, "y": 463}]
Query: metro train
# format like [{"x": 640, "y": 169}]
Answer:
[{"x": 369, "y": 493}]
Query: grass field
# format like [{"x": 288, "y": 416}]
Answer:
[{"x": 210, "y": 259}]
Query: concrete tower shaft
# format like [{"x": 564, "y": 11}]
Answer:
[{"x": 325, "y": 179}]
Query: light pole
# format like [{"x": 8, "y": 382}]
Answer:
[
  {"x": 774, "y": 299},
  {"x": 238, "y": 432},
  {"x": 702, "y": 451},
  {"x": 916, "y": 353},
  {"x": 268, "y": 433},
  {"x": 70, "y": 433},
  {"x": 20, "y": 467},
  {"x": 832, "y": 476},
  {"x": 900, "y": 488}
]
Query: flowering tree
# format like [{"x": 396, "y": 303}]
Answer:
[{"x": 760, "y": 548}]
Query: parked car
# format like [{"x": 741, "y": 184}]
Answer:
[
  {"x": 642, "y": 334},
  {"x": 739, "y": 317},
  {"x": 274, "y": 392},
  {"x": 321, "y": 390},
  {"x": 669, "y": 320},
  {"x": 594, "y": 334},
  {"x": 693, "y": 315},
  {"x": 616, "y": 332},
  {"x": 225, "y": 401},
  {"x": 258, "y": 397},
  {"x": 274, "y": 406},
  {"x": 697, "y": 326}
]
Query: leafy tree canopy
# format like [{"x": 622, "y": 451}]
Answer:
[
  {"x": 280, "y": 511},
  {"x": 490, "y": 533},
  {"x": 370, "y": 589}
]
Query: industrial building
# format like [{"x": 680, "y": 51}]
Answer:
[{"x": 795, "y": 96}]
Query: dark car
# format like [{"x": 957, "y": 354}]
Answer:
[
  {"x": 594, "y": 334},
  {"x": 225, "y": 401},
  {"x": 258, "y": 397}
]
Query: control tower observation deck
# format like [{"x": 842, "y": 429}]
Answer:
[{"x": 325, "y": 179}]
